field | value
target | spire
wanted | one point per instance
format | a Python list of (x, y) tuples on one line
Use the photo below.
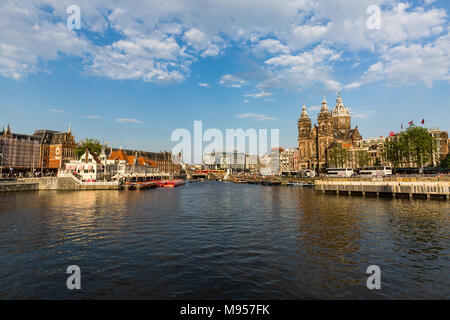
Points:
[(70, 128), (339, 99), (304, 114), (324, 105)]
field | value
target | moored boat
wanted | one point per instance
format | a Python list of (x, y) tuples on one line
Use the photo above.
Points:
[(170, 183)]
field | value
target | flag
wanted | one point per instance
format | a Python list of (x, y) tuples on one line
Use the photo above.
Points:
[(423, 121), (402, 125), (411, 123)]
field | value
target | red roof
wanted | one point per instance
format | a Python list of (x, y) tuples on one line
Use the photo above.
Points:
[(118, 155)]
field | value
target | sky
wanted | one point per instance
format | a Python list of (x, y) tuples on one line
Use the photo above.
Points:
[(137, 70)]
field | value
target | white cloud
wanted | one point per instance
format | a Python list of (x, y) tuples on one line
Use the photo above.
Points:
[(28, 40), (196, 38), (229, 80), (261, 94), (56, 110), (362, 114), (127, 120), (256, 117), (204, 84), (408, 64), (304, 35), (157, 41), (271, 46), (305, 69), (314, 108)]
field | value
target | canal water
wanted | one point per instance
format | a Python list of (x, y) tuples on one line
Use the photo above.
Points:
[(216, 240)]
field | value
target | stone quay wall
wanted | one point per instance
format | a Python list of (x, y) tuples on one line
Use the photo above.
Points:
[(427, 187), (18, 186), (68, 184)]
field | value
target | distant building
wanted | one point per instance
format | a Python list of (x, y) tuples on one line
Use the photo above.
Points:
[(18, 151), (334, 126), (375, 149), (164, 160), (252, 164), (88, 168), (232, 160), (92, 167), (442, 143), (211, 160), (56, 148), (62, 149), (287, 163)]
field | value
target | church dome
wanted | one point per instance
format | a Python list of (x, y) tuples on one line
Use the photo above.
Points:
[(340, 109)]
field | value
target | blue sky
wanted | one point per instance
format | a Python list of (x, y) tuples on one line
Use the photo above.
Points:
[(137, 70)]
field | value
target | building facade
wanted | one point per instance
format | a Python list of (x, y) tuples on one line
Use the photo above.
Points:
[(18, 151), (164, 160), (442, 146), (332, 127), (287, 160)]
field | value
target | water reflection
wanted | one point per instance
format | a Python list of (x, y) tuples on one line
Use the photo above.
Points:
[(216, 240)]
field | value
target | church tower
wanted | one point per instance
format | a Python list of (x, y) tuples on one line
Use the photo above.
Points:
[(304, 138), (325, 132), (341, 117)]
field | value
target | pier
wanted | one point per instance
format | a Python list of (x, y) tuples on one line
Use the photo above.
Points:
[(414, 187)]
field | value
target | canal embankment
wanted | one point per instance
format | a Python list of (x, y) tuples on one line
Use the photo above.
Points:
[(68, 184), (13, 185), (403, 187)]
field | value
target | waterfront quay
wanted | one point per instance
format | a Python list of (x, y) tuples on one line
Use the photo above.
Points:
[(412, 187)]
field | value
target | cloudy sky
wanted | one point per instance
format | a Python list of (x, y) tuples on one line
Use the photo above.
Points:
[(137, 70)]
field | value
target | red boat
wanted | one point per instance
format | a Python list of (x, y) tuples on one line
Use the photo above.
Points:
[(170, 183)]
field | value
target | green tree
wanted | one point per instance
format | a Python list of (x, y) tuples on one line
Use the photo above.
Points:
[(415, 145), (421, 145), (377, 162), (92, 144), (362, 158), (393, 152), (445, 163), (338, 156)]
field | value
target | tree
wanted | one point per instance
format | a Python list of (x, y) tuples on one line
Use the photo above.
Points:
[(415, 145), (338, 156), (421, 145), (445, 163), (92, 144), (393, 152), (377, 162), (362, 158)]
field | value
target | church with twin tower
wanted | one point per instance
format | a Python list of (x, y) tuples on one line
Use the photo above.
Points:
[(332, 128)]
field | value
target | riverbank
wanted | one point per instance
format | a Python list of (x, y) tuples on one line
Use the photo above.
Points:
[(14, 186), (411, 187)]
